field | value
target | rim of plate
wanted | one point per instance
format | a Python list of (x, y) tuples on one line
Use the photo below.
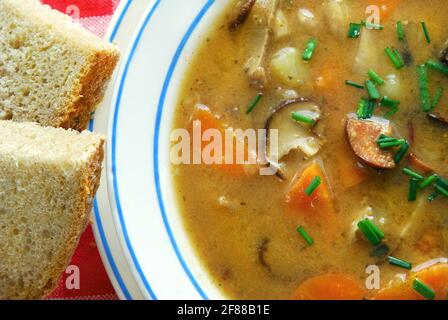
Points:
[(111, 165), (107, 242)]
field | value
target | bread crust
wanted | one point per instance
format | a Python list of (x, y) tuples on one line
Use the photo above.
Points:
[(86, 96), (89, 66), (88, 188)]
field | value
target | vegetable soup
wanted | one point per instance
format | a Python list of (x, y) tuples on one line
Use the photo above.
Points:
[(356, 94)]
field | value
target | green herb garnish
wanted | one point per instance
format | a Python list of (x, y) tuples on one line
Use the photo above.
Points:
[(413, 186), (309, 49), (425, 31), (372, 90), (400, 31), (395, 57), (388, 102), (393, 143), (438, 66), (301, 230), (399, 263), (437, 96), (354, 30), (375, 77), (442, 190), (427, 181), (370, 25), (299, 117), (423, 289), (401, 153), (391, 104), (254, 103), (425, 100), (313, 186), (413, 174), (354, 84), (433, 196), (371, 231)]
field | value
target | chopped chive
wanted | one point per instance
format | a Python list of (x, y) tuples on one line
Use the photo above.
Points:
[(438, 66), (437, 97), (413, 186), (354, 30), (389, 144), (399, 57), (370, 108), (391, 112), (297, 116), (254, 103), (433, 196), (301, 230), (412, 174), (388, 102), (399, 263), (442, 182), (384, 138), (442, 190), (423, 289), (313, 186), (370, 25), (369, 232), (422, 73), (400, 31), (375, 228), (427, 181), (394, 57), (372, 90), (354, 84), (375, 77), (425, 31), (362, 109), (309, 49), (401, 153), (391, 104)]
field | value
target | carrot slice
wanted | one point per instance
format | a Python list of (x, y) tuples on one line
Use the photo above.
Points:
[(318, 204), (387, 7), (330, 287), (348, 170), (436, 277), (208, 120)]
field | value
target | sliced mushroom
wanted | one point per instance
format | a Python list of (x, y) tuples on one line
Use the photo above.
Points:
[(420, 164), (438, 117), (444, 53), (292, 134), (243, 9), (260, 24), (363, 135)]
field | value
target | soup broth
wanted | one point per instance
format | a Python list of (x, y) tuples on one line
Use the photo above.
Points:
[(243, 225)]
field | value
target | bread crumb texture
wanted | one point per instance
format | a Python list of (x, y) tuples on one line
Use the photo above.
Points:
[(52, 71), (48, 179)]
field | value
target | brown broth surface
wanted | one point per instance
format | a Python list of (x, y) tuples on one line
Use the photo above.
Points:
[(231, 219)]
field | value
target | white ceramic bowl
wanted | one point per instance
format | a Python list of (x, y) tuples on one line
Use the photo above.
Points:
[(137, 224)]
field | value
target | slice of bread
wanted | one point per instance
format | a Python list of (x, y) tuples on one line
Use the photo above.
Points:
[(52, 71), (48, 179)]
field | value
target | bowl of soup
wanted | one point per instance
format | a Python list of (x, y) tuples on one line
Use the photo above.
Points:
[(267, 149)]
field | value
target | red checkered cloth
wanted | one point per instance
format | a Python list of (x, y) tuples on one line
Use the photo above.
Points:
[(86, 278)]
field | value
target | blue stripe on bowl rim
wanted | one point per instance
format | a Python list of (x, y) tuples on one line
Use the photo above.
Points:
[(167, 82), (98, 220), (113, 168)]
